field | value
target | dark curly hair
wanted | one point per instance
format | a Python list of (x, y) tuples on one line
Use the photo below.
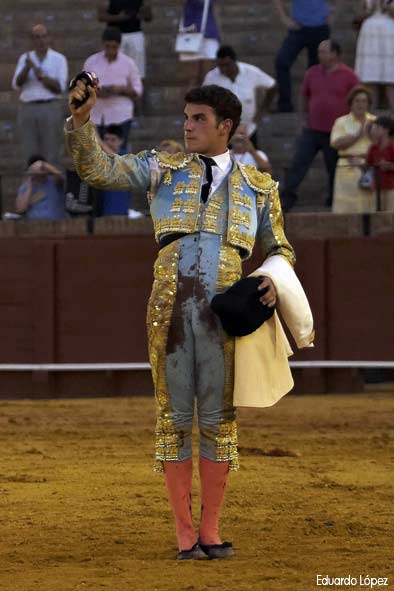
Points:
[(224, 102), (387, 123), (111, 34), (355, 91)]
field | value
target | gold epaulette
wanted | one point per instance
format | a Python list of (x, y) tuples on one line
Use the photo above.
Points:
[(262, 182), (172, 161)]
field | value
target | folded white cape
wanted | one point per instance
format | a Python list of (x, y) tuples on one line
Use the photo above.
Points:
[(262, 374)]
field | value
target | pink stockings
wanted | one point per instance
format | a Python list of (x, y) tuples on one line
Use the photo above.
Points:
[(178, 478), (213, 476)]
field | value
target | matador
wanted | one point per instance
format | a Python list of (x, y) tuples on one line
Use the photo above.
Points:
[(208, 211)]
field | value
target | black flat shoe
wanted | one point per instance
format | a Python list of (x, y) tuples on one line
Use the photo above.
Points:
[(213, 551), (194, 553)]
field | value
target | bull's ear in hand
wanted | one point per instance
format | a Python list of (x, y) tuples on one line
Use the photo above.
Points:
[(90, 79)]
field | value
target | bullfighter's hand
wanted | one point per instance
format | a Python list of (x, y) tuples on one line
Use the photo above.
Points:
[(81, 114), (269, 297)]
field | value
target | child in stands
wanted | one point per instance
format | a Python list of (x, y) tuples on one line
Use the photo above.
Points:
[(381, 155)]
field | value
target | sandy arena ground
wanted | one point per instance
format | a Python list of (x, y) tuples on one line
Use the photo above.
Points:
[(81, 509)]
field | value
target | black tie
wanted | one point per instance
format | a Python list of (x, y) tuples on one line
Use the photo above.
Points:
[(209, 162)]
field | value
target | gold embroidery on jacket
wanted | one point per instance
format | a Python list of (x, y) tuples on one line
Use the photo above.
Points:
[(241, 200), (277, 234), (215, 203), (173, 161), (229, 268), (193, 188), (167, 177), (195, 171), (241, 239), (227, 445), (261, 200), (177, 204), (229, 271), (179, 188), (261, 182), (190, 205), (240, 219), (158, 319), (236, 179), (174, 223), (211, 223)]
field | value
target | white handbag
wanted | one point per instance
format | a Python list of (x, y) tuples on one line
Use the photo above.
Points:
[(188, 40)]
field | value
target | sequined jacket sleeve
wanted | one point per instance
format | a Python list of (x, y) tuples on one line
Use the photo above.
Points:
[(104, 171), (270, 233)]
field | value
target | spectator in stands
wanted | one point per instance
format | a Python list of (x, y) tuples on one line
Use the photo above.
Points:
[(306, 28), (381, 155), (170, 146), (41, 77), (375, 49), (41, 195), (126, 15), (351, 137), (115, 202), (243, 150), (254, 88), (324, 92), (192, 19), (120, 85)]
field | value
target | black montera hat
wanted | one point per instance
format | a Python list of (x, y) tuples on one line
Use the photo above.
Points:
[(239, 307)]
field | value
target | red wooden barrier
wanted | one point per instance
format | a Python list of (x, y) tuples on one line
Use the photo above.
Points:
[(84, 300)]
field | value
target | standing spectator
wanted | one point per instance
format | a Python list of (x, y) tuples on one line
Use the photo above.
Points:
[(242, 150), (324, 91), (41, 196), (120, 84), (41, 78), (126, 15), (307, 27), (192, 19), (111, 202), (375, 49), (253, 87), (381, 154), (351, 137)]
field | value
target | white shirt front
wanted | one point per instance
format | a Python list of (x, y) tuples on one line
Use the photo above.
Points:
[(54, 65), (223, 166), (244, 87)]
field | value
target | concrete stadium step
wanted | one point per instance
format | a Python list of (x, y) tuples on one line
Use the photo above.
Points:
[(12, 46), (9, 189), (55, 18), (8, 151), (251, 41), (26, 6), (153, 125)]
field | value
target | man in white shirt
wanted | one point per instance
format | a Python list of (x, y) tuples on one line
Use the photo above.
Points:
[(41, 79), (253, 87)]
